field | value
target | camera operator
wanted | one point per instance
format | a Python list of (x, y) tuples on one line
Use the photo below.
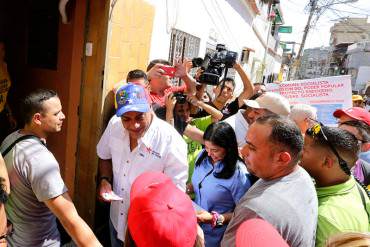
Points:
[(178, 115), (224, 92), (201, 93), (178, 107), (160, 84)]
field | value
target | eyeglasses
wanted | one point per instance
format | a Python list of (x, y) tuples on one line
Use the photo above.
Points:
[(9, 230), (316, 131)]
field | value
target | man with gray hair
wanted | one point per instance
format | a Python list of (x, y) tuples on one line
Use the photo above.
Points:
[(303, 115)]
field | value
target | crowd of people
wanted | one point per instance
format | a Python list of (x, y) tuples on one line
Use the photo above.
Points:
[(182, 167)]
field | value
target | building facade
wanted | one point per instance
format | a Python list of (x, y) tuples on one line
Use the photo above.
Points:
[(313, 63), (188, 29), (343, 34), (357, 64)]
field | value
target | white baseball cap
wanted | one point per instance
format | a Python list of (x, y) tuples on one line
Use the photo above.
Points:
[(271, 101)]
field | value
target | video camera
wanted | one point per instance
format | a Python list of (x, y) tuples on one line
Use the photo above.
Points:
[(214, 64)]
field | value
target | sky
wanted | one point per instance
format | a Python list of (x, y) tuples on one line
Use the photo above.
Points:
[(295, 14)]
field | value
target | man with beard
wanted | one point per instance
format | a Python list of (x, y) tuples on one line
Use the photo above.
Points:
[(284, 195)]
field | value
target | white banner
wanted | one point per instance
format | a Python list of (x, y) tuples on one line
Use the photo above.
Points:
[(326, 94)]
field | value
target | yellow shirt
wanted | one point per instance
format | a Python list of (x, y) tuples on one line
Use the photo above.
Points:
[(5, 84)]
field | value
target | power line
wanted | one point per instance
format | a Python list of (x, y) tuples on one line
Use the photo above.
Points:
[(298, 7), (350, 12), (213, 21), (348, 22), (355, 7), (337, 3), (226, 24), (317, 8)]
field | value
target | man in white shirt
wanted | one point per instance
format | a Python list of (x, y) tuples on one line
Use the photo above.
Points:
[(135, 141), (267, 103)]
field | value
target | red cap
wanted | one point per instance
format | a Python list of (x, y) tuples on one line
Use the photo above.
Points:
[(357, 113), (145, 180), (258, 233), (160, 214)]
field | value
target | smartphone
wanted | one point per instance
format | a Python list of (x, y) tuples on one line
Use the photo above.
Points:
[(169, 70)]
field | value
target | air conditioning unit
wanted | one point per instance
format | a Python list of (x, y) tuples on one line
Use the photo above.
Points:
[(244, 58)]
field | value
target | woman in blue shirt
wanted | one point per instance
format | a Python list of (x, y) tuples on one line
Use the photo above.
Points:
[(219, 180)]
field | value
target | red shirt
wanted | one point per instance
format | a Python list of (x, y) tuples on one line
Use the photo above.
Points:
[(160, 100)]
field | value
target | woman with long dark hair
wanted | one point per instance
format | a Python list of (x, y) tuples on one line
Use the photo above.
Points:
[(219, 180)]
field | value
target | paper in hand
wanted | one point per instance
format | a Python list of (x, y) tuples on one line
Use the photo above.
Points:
[(111, 196)]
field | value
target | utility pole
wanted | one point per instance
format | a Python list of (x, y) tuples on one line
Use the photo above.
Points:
[(313, 4), (296, 62), (313, 9)]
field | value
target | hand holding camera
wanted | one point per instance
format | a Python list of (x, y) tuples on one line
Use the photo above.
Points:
[(158, 70), (170, 102), (155, 72), (180, 97), (193, 100), (168, 70)]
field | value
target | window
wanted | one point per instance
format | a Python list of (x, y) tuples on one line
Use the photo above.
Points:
[(310, 64), (183, 45)]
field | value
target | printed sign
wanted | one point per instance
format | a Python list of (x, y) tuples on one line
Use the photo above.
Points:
[(326, 94)]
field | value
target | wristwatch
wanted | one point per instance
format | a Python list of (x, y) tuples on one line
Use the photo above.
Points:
[(220, 220), (217, 219)]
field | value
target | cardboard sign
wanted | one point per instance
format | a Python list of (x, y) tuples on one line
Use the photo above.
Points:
[(326, 94)]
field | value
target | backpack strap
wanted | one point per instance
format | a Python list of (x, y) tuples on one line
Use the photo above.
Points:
[(25, 137)]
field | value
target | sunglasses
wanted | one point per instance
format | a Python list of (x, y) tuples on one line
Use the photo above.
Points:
[(9, 230), (316, 131), (355, 125)]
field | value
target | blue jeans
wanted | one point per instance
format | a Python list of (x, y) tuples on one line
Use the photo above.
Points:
[(114, 241)]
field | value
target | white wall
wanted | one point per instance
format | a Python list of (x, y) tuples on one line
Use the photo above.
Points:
[(229, 21)]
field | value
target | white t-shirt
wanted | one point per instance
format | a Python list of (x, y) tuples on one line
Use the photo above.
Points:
[(240, 126), (160, 149)]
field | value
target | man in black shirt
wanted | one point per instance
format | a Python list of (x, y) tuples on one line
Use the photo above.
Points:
[(225, 92)]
